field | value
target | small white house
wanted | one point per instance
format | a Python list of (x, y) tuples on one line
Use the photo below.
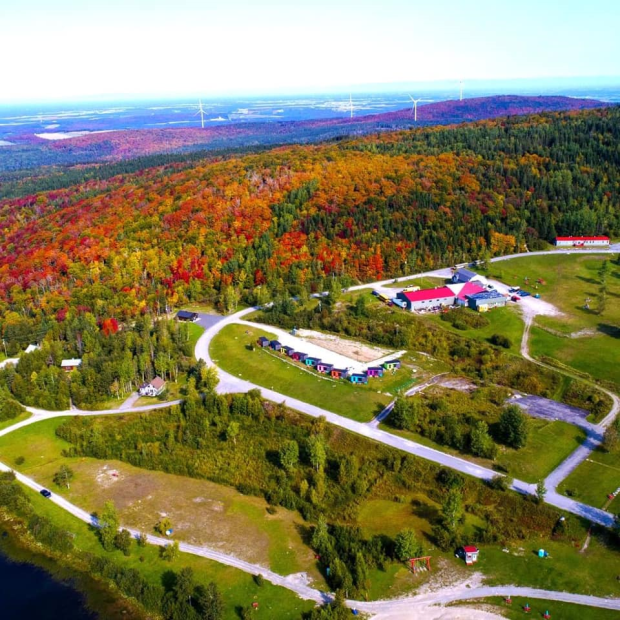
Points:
[(153, 388), (69, 365), (32, 347)]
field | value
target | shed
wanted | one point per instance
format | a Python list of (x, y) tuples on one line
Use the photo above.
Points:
[(186, 315), (339, 373), (299, 356), (375, 371), (312, 361), (263, 342), (324, 367), (358, 378), (391, 364), (469, 554), (288, 351), (276, 345)]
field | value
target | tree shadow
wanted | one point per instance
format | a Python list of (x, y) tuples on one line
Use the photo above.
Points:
[(588, 280), (424, 511), (609, 330)]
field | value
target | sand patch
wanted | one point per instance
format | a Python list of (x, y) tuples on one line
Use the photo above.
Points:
[(355, 350)]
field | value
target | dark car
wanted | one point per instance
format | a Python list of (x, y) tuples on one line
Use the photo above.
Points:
[(45, 493), (515, 298)]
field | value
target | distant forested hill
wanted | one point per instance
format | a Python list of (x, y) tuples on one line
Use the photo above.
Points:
[(31, 152), (281, 221)]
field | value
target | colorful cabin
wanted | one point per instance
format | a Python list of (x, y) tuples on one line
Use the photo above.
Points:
[(288, 351), (375, 371), (263, 342), (324, 368), (339, 373), (312, 361), (299, 356), (276, 345), (358, 378), (391, 365)]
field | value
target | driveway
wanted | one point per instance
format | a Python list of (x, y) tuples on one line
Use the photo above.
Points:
[(208, 320)]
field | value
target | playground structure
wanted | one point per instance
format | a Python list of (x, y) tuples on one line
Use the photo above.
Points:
[(421, 564)]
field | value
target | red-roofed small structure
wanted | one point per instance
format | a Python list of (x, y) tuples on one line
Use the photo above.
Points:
[(580, 242), (468, 553)]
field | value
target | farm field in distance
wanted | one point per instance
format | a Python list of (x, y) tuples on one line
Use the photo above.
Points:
[(582, 338)]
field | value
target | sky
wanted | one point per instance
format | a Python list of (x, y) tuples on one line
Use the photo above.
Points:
[(78, 49)]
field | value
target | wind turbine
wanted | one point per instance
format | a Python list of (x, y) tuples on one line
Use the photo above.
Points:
[(351, 104), (201, 112), (414, 109), (461, 89)]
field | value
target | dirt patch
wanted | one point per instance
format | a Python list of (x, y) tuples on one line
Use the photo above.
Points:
[(107, 476), (355, 350), (457, 383)]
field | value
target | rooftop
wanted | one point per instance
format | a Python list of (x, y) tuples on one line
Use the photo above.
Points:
[(427, 294)]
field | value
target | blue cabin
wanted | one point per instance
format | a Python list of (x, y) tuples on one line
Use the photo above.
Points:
[(375, 371), (276, 345), (312, 361), (358, 378), (263, 342)]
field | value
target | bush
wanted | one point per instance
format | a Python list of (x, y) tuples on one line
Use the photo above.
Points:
[(259, 580), (500, 341)]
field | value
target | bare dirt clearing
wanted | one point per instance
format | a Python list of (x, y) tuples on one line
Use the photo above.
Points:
[(355, 350)]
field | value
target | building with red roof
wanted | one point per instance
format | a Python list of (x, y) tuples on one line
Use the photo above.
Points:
[(581, 242), (428, 298)]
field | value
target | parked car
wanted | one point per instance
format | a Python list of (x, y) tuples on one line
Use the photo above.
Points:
[(515, 298), (45, 493)]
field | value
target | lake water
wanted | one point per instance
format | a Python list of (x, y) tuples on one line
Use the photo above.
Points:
[(28, 592)]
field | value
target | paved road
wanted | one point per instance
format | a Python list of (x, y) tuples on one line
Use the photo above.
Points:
[(297, 585), (208, 320), (593, 440), (229, 383)]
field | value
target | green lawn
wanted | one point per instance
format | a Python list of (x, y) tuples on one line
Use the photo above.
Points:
[(549, 443), (427, 282), (202, 512), (569, 281), (594, 479), (596, 355), (238, 588), (505, 321), (229, 351), (557, 611), (566, 569)]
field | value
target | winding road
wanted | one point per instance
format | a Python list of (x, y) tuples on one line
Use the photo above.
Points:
[(230, 383)]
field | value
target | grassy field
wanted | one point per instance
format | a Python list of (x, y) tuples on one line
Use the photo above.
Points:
[(238, 588), (549, 443), (557, 611), (195, 331), (202, 512), (505, 321), (594, 479), (569, 281), (362, 403), (566, 569), (428, 282)]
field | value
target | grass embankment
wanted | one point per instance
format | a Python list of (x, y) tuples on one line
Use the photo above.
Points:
[(238, 589), (20, 418), (557, 611), (594, 479), (569, 281), (229, 350), (426, 282), (201, 511), (503, 321), (549, 443)]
